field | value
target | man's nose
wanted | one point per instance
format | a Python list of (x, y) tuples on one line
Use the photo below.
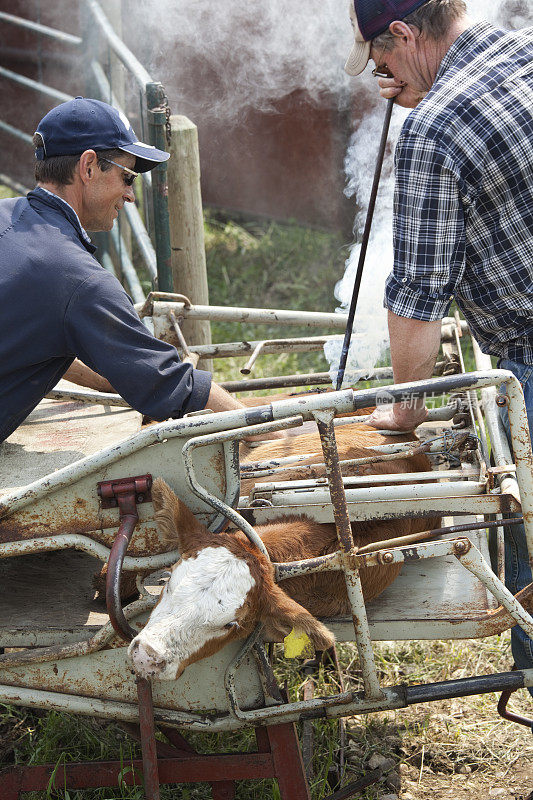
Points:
[(129, 194)]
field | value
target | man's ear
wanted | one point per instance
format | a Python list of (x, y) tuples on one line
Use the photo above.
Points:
[(87, 165), (280, 614), (401, 31)]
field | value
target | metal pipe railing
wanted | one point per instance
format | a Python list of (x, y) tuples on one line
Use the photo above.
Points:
[(107, 94), (17, 187), (142, 239), (35, 85), (117, 45), (128, 270), (42, 30), (7, 128)]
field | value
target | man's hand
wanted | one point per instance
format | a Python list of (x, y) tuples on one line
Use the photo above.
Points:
[(192, 358), (414, 347), (398, 417), (404, 94)]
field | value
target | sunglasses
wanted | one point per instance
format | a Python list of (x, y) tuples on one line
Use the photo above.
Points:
[(130, 175)]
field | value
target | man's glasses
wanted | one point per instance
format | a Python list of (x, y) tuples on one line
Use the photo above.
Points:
[(381, 70), (130, 175)]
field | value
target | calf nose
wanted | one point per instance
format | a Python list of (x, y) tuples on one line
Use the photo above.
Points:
[(147, 660)]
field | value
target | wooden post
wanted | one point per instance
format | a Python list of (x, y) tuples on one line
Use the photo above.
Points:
[(189, 272)]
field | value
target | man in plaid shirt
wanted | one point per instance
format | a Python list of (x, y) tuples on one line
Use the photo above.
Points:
[(463, 226)]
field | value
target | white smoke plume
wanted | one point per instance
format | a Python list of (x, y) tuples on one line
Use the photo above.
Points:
[(247, 53), (251, 53), (370, 334)]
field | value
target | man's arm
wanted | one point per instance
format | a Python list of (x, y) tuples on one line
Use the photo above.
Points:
[(414, 349), (221, 400), (82, 375)]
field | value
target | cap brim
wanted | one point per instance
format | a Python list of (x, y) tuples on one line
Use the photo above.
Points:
[(147, 156), (358, 58)]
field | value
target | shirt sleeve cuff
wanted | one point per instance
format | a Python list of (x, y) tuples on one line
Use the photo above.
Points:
[(200, 391), (406, 301)]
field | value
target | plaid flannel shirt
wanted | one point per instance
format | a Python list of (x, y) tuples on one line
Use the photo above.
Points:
[(463, 224)]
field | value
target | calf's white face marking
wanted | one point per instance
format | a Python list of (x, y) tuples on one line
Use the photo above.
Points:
[(198, 604)]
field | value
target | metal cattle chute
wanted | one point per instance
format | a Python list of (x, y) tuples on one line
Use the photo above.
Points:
[(76, 494)]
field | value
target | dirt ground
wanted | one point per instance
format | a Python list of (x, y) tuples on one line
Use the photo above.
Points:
[(457, 749)]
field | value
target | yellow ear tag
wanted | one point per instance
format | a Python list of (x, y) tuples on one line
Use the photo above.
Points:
[(298, 645)]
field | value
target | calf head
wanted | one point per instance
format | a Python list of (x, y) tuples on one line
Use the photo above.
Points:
[(219, 590)]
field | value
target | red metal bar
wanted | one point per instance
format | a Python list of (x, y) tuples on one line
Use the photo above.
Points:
[(279, 757), (125, 494), (180, 744), (510, 716), (164, 750), (148, 742), (288, 762), (103, 774), (223, 791)]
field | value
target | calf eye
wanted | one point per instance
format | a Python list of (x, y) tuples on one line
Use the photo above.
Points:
[(231, 625)]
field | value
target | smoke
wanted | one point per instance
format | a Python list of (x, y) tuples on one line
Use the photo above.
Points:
[(370, 334), (219, 59), (247, 53)]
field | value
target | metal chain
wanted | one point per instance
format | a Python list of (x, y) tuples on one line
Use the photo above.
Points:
[(165, 106)]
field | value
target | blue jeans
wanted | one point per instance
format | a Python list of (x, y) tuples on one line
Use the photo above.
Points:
[(517, 569)]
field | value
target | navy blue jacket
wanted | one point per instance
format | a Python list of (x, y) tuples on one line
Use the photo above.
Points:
[(58, 303)]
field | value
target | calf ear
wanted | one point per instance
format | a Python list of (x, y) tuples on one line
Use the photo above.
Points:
[(176, 522), (281, 614)]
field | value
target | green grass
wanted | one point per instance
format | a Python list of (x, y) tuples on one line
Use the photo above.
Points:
[(5, 192), (435, 742), (269, 265)]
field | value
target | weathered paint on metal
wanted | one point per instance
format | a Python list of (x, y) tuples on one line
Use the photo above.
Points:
[(148, 742), (48, 544), (330, 706), (472, 559), (326, 429), (217, 438), (389, 509), (105, 637), (125, 493), (303, 497)]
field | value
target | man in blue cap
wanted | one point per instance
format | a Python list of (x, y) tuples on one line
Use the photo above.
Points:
[(58, 303), (463, 221)]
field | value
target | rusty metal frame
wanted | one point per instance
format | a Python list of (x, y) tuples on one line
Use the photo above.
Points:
[(346, 560), (125, 494), (232, 425), (348, 551), (223, 508)]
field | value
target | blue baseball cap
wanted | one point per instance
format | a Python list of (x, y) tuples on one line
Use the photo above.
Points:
[(84, 124), (370, 18)]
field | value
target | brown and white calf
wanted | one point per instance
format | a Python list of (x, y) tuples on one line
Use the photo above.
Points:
[(222, 587)]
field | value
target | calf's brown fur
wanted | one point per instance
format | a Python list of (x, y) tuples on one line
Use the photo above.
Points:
[(297, 538)]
